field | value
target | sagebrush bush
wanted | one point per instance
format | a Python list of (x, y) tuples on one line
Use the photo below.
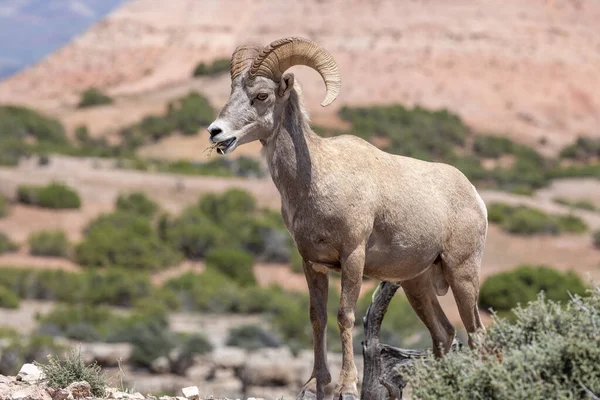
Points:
[(549, 351), (111, 287), (216, 67), (3, 206), (124, 240), (49, 243), (504, 291), (18, 349), (193, 233), (55, 195), (525, 220), (60, 373), (251, 337), (8, 298), (6, 245), (137, 203), (234, 263), (93, 97)]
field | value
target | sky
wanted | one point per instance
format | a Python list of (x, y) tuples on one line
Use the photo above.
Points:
[(30, 29)]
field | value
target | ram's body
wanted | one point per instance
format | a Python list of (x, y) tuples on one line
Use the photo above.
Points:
[(354, 208)]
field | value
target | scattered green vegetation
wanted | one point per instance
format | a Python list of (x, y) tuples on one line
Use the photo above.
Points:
[(549, 350), (24, 131), (439, 135), (524, 220), (233, 263), (8, 298), (218, 66), (110, 287), (18, 349), (230, 220), (48, 243), (3, 206), (93, 97), (60, 373), (504, 291), (251, 337), (584, 149), (124, 240), (580, 204), (186, 115), (596, 239), (136, 203), (6, 245), (55, 195)]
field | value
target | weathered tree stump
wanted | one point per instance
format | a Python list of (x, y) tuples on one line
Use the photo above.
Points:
[(381, 377)]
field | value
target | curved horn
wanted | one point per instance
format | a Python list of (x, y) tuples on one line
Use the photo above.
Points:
[(242, 58), (282, 54)]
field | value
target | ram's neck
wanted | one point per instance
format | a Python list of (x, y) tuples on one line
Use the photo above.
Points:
[(289, 153)]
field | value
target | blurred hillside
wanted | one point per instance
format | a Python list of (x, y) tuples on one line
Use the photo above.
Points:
[(524, 69)]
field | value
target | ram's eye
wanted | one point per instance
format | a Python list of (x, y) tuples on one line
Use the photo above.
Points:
[(262, 96)]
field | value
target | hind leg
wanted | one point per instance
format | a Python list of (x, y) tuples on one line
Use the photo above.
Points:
[(463, 278), (424, 301)]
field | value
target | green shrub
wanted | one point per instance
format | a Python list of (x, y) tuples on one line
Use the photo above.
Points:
[(3, 206), (492, 146), (82, 322), (233, 263), (124, 240), (529, 221), (209, 292), (584, 148), (548, 351), (216, 67), (8, 298), (251, 337), (580, 204), (503, 291), (48, 243), (191, 113), (111, 287), (19, 349), (93, 97), (6, 245), (189, 346), (233, 201), (193, 233), (54, 195), (137, 203), (596, 239), (60, 373), (151, 340)]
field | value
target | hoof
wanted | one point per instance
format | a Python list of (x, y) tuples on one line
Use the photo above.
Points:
[(306, 395)]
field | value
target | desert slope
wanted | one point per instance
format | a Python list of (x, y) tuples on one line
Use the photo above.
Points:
[(529, 69)]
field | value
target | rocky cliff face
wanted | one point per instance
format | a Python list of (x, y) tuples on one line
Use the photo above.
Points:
[(528, 69)]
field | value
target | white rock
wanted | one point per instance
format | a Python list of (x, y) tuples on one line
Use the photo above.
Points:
[(30, 373), (19, 394), (137, 395), (191, 392)]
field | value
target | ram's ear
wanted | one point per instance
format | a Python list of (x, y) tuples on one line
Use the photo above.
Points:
[(286, 84)]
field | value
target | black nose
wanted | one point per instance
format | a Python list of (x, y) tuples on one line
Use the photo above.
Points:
[(214, 130)]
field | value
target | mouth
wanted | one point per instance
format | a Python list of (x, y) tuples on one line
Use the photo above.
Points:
[(225, 145)]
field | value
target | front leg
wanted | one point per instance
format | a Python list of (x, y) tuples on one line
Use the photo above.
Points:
[(318, 286), (352, 273)]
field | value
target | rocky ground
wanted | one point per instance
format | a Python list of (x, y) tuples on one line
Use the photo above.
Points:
[(227, 372), (30, 384)]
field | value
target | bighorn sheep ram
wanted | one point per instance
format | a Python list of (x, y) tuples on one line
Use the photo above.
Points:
[(354, 208)]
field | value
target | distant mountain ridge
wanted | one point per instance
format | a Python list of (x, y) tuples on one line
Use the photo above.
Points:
[(30, 29), (525, 69)]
